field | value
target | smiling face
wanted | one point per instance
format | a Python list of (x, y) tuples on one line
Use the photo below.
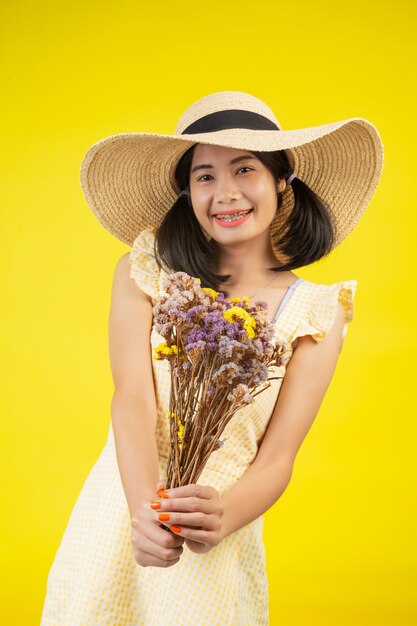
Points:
[(225, 180)]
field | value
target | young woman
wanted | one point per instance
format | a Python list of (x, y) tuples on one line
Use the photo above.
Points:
[(235, 200)]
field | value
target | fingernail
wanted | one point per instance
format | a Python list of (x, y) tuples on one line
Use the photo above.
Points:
[(163, 517), (176, 529), (160, 488), (163, 494), (155, 505)]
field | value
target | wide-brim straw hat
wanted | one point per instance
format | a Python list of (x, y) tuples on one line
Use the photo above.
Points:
[(128, 178)]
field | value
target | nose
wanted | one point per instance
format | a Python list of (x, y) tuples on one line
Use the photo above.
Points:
[(227, 190)]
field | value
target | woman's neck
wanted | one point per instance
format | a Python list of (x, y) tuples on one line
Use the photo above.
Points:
[(248, 266), (247, 259)]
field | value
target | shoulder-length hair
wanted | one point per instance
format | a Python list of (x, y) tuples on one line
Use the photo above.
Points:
[(306, 236)]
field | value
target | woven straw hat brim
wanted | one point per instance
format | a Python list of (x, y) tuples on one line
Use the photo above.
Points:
[(128, 178)]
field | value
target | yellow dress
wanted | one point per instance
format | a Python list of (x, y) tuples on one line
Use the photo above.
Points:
[(94, 578)]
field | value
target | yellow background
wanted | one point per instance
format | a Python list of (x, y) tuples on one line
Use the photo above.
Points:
[(341, 542)]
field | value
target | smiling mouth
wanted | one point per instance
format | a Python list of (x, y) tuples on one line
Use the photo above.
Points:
[(229, 216)]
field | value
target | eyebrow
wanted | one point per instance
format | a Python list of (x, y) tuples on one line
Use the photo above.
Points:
[(235, 160)]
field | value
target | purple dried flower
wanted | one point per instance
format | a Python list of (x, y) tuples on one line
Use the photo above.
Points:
[(194, 312), (200, 345)]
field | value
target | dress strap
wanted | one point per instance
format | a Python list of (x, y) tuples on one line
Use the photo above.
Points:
[(286, 298)]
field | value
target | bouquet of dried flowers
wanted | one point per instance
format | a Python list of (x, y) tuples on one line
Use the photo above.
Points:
[(219, 355)]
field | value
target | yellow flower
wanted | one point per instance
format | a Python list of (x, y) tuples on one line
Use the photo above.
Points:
[(245, 299), (249, 323), (181, 429), (212, 292), (234, 311), (162, 351), (250, 329)]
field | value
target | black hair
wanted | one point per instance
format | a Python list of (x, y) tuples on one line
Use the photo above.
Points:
[(306, 236)]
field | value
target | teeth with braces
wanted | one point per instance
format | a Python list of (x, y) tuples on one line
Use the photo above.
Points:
[(232, 218)]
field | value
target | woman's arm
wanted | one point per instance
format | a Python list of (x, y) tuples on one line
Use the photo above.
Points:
[(306, 380), (133, 407)]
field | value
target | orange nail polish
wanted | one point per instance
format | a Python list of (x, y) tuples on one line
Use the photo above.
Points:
[(176, 529), (163, 494), (163, 517), (160, 488), (155, 505)]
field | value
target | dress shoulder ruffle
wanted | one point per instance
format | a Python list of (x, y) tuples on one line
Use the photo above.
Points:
[(321, 313), (143, 266)]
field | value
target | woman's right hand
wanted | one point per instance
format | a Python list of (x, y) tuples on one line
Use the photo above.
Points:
[(152, 543)]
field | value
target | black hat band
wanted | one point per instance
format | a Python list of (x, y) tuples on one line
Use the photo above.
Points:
[(231, 118)]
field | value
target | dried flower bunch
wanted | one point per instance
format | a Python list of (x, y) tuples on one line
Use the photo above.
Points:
[(219, 355)]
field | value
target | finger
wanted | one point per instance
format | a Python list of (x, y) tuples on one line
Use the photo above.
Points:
[(195, 534), (157, 542), (192, 520), (159, 552), (175, 541), (161, 535), (161, 485), (147, 558), (204, 492), (154, 532), (191, 504)]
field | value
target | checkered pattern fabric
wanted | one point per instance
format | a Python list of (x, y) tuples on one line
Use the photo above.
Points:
[(94, 579)]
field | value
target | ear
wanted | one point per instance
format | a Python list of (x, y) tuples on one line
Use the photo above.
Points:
[(281, 184)]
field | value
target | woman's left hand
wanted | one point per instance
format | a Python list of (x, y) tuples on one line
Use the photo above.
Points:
[(197, 510)]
